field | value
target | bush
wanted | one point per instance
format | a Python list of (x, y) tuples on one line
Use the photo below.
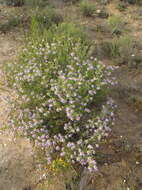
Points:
[(104, 2), (87, 8), (15, 2), (36, 3), (121, 6), (116, 24), (71, 1), (134, 1), (121, 49), (46, 17), (62, 105), (39, 3), (13, 21)]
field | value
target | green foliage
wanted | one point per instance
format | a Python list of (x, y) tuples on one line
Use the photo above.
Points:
[(122, 49), (62, 96), (134, 2), (121, 6), (40, 3), (116, 24), (36, 3), (88, 9), (136, 102), (104, 2), (13, 21), (123, 45), (71, 1), (70, 30), (15, 2), (47, 17)]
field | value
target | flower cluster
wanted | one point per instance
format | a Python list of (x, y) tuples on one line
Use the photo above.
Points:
[(62, 99)]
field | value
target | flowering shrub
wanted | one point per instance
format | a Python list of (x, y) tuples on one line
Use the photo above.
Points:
[(62, 98)]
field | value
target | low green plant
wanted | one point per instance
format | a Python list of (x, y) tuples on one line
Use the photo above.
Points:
[(121, 6), (123, 45), (136, 102), (71, 1), (104, 2), (116, 24), (15, 2), (12, 22), (47, 17), (134, 2), (62, 105), (88, 9), (122, 49), (15, 21), (70, 29), (36, 3)]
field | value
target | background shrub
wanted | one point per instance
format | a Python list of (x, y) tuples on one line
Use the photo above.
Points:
[(36, 3), (134, 1), (121, 49), (39, 3), (71, 1), (46, 17), (87, 8), (121, 6), (15, 2), (10, 23), (116, 24)]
